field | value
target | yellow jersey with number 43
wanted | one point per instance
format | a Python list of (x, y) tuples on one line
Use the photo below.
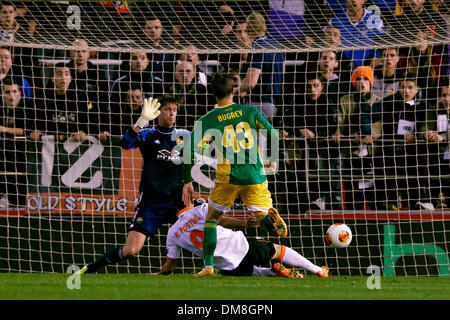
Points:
[(233, 131)]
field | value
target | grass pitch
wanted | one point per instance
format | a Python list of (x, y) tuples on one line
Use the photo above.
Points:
[(189, 287)]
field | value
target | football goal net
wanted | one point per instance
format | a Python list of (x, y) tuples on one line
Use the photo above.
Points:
[(358, 94)]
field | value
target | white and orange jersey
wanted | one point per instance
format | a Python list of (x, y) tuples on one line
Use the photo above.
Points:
[(187, 233)]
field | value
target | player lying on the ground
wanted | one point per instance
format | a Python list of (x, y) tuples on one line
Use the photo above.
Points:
[(235, 255)]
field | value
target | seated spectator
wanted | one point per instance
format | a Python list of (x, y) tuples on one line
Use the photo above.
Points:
[(139, 72), (261, 86), (62, 110), (313, 117), (13, 115), (359, 28), (192, 97), (387, 75), (8, 70), (437, 134), (403, 114), (357, 130)]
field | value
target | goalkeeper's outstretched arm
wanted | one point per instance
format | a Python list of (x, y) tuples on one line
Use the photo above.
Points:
[(150, 111)]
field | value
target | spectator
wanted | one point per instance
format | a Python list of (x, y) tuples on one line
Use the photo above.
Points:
[(425, 63), (8, 23), (336, 87), (85, 75), (164, 10), (418, 16), (313, 117), (66, 111), (357, 123), (12, 151), (130, 110), (437, 134), (8, 70), (263, 80), (325, 66), (10, 29), (108, 17), (384, 5), (200, 21), (161, 64), (403, 114), (317, 14), (358, 28), (193, 99), (446, 14), (190, 55), (139, 72), (234, 62), (332, 37), (387, 76)]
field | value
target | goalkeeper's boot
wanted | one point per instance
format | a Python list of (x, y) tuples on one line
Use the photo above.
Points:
[(278, 223), (282, 271), (323, 273), (207, 271)]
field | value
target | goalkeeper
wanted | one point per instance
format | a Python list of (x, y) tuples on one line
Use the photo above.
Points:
[(232, 129), (161, 180)]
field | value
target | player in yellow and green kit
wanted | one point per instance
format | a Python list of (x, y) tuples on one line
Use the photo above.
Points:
[(232, 130)]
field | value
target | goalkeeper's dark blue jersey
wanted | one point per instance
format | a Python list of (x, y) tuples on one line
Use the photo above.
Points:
[(161, 150)]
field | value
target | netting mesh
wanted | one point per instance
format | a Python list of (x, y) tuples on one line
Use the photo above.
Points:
[(357, 89), (297, 25)]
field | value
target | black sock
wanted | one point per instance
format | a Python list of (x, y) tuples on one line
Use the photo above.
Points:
[(267, 224), (112, 256)]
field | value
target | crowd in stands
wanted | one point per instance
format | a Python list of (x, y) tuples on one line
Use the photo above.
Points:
[(371, 122)]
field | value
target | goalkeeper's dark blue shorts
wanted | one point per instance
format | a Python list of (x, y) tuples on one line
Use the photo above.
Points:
[(148, 218)]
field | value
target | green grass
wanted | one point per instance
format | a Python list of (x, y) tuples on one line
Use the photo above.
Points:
[(189, 287)]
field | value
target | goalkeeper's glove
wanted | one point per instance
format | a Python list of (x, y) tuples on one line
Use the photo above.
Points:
[(150, 111)]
